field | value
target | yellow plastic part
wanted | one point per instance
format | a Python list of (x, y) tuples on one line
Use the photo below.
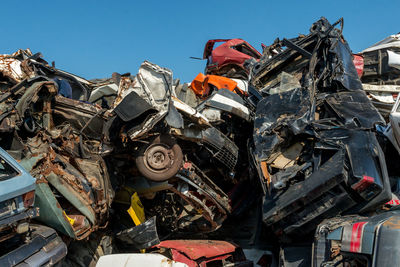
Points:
[(136, 210), (70, 220)]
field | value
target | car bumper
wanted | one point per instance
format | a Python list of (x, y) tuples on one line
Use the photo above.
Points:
[(44, 247)]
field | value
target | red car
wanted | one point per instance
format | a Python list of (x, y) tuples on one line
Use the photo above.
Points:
[(228, 58), (203, 253)]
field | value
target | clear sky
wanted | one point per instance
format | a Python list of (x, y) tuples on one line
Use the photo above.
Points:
[(95, 38)]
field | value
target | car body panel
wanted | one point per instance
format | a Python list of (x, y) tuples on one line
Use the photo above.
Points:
[(18, 185), (196, 249), (374, 239), (15, 182), (203, 252), (53, 216)]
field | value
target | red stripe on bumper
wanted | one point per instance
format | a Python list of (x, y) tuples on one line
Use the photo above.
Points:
[(356, 236)]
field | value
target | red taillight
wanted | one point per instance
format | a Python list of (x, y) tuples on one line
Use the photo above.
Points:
[(393, 202), (359, 64), (28, 199), (363, 184)]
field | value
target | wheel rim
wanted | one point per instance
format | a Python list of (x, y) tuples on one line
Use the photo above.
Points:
[(158, 158)]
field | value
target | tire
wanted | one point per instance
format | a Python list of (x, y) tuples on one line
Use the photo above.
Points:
[(160, 160)]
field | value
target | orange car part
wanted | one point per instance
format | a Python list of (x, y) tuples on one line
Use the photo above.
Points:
[(201, 84)]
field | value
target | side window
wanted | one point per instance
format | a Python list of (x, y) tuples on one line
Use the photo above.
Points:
[(245, 49), (6, 170)]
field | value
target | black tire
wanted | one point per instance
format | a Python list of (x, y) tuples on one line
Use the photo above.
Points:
[(160, 160)]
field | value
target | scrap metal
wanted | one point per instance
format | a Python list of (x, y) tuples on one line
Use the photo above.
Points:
[(287, 152)]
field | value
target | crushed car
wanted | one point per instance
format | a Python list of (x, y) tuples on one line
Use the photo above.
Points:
[(194, 149), (314, 133), (228, 58), (40, 129), (379, 71), (191, 253), (22, 242)]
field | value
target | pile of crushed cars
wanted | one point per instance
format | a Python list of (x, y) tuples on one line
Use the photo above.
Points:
[(280, 158)]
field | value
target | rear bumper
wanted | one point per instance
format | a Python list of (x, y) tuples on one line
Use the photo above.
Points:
[(30, 213), (44, 247)]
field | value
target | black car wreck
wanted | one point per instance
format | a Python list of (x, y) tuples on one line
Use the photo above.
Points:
[(314, 137)]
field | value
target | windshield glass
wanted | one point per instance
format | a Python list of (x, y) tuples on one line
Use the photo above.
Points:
[(6, 170)]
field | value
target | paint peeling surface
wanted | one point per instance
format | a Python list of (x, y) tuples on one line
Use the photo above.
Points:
[(14, 66)]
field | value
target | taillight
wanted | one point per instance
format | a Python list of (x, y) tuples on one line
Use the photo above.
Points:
[(393, 202), (28, 199), (363, 184)]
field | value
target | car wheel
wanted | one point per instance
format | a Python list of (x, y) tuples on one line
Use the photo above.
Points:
[(161, 159)]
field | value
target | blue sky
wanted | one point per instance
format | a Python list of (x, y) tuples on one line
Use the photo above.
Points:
[(95, 38)]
